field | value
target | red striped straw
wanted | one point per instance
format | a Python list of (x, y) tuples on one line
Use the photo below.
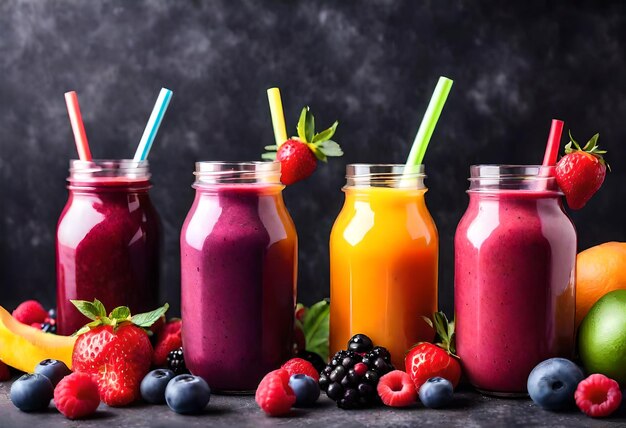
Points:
[(554, 141), (76, 120)]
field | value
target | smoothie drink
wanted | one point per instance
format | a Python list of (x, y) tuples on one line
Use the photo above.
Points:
[(515, 254), (238, 275), (107, 242), (383, 260)]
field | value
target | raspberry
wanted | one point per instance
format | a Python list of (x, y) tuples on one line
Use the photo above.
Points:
[(5, 374), (396, 389), (30, 312), (300, 366), (598, 396), (274, 395), (76, 396)]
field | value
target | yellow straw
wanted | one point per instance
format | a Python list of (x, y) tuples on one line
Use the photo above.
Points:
[(278, 117)]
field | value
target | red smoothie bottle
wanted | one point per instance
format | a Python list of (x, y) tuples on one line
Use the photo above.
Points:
[(515, 260), (108, 240), (238, 250)]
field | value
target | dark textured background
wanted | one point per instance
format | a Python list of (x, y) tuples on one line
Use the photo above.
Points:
[(372, 65)]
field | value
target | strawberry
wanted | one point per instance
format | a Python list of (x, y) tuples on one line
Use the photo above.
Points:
[(426, 360), (298, 156), (581, 172), (115, 349), (168, 339)]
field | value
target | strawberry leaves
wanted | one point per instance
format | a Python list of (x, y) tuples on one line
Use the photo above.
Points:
[(591, 148), (96, 312), (445, 332), (319, 143)]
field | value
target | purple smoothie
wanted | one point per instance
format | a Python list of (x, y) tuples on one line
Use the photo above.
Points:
[(515, 254), (107, 247), (238, 273)]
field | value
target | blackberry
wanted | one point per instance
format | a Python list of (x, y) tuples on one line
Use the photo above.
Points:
[(176, 361), (351, 377), (360, 343)]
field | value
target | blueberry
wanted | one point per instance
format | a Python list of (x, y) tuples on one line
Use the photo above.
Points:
[(360, 343), (187, 394), (153, 385), (54, 370), (436, 392), (32, 392), (306, 389), (552, 383)]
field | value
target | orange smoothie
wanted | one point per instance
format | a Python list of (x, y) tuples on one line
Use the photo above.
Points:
[(383, 268)]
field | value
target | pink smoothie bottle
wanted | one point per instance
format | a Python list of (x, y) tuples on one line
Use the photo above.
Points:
[(108, 240), (515, 260), (238, 250)]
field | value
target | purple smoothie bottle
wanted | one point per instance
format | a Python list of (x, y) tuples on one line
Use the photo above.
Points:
[(515, 267), (107, 241), (238, 275)]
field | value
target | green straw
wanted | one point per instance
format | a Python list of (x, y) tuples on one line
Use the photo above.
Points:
[(425, 131)]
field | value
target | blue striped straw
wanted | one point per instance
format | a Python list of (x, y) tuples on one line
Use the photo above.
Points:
[(152, 127)]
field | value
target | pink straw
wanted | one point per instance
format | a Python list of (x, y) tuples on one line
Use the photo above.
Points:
[(76, 120), (554, 141)]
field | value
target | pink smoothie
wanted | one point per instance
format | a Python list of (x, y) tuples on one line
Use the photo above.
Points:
[(108, 239), (238, 272), (515, 254)]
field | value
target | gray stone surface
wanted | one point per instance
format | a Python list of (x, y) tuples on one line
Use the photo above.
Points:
[(469, 410)]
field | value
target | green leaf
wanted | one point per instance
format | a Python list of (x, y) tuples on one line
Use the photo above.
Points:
[(316, 327), (319, 154), (302, 124), (309, 126), (121, 313), (269, 156), (89, 309), (273, 147), (592, 143), (326, 134), (147, 319), (330, 148), (101, 309)]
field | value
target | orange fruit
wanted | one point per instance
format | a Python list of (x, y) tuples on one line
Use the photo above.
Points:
[(599, 270)]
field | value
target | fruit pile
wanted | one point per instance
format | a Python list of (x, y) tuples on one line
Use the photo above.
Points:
[(352, 375)]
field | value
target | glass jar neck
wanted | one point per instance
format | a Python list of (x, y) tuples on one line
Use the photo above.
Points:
[(109, 175), (389, 176), (238, 176), (512, 180)]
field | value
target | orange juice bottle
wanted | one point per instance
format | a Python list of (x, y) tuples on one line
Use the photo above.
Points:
[(383, 260)]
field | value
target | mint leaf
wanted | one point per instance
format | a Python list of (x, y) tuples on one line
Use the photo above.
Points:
[(330, 148), (147, 319), (316, 327), (121, 313), (88, 309), (327, 134)]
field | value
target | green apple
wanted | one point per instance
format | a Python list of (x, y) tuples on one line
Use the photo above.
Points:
[(602, 337)]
